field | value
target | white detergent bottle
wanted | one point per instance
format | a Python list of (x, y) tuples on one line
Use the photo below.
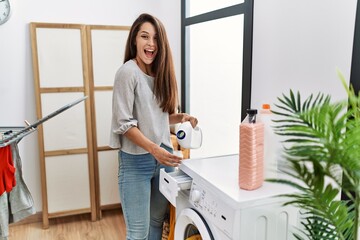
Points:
[(271, 143), (189, 137)]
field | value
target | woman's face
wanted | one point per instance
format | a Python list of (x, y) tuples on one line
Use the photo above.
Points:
[(146, 43)]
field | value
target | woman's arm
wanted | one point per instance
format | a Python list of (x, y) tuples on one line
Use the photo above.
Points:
[(182, 117), (160, 154)]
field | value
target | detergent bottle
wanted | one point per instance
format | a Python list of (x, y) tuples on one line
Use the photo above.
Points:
[(251, 152), (189, 137), (271, 142)]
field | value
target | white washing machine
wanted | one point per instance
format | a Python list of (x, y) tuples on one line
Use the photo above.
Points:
[(210, 205)]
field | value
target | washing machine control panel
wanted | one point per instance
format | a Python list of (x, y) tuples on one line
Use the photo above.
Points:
[(212, 208)]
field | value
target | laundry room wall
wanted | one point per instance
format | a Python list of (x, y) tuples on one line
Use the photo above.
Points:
[(17, 94), (298, 45)]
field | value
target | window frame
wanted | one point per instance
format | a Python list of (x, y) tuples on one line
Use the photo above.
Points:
[(245, 8), (355, 63)]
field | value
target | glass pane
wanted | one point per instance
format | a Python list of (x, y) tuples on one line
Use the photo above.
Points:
[(215, 76), (196, 7)]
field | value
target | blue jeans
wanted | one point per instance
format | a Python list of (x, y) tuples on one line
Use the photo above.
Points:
[(143, 205)]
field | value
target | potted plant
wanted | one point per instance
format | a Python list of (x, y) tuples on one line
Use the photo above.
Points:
[(321, 137)]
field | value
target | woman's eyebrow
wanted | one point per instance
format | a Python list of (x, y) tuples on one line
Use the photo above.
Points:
[(146, 32)]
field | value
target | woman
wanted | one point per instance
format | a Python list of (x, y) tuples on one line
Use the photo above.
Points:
[(145, 100)]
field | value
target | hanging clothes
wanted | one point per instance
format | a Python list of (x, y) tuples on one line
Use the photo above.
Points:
[(7, 170), (17, 203)]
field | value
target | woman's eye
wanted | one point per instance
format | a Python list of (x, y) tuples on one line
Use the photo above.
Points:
[(145, 37)]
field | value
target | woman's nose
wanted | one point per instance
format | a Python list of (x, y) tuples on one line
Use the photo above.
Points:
[(151, 42)]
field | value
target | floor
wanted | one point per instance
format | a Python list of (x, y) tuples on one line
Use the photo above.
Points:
[(79, 227)]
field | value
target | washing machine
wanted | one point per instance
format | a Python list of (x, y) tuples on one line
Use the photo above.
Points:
[(210, 206)]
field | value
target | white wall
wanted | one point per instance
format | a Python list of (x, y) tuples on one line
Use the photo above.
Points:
[(298, 44), (17, 96)]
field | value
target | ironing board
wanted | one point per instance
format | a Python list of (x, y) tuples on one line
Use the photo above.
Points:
[(9, 135)]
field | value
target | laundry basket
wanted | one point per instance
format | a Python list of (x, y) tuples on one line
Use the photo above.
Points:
[(169, 225)]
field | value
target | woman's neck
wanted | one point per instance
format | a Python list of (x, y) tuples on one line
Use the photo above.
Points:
[(144, 67)]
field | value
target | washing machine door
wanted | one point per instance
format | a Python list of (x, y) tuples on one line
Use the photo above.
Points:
[(190, 225)]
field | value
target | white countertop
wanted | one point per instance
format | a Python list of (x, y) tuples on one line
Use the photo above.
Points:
[(220, 175)]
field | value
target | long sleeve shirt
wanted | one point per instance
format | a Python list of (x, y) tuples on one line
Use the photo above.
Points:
[(135, 105)]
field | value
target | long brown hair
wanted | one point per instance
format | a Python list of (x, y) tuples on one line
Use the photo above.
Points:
[(165, 86)]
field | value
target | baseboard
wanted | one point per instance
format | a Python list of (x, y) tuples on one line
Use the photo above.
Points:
[(37, 217), (110, 206)]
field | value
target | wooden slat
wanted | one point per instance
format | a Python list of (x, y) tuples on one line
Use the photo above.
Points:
[(65, 152), (95, 175), (69, 213), (35, 65), (104, 148), (62, 89), (89, 123), (103, 88)]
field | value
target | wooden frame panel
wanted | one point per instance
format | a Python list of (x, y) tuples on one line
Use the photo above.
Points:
[(106, 47), (61, 67), (75, 60)]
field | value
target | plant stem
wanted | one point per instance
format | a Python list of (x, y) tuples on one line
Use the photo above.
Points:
[(357, 206)]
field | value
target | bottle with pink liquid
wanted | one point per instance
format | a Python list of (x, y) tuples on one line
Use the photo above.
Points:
[(251, 152)]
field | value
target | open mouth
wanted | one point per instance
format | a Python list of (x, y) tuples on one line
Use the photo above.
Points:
[(149, 53)]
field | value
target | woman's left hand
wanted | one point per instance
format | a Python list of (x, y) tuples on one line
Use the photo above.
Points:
[(186, 117)]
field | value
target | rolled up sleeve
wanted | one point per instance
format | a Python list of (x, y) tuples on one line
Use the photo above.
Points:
[(122, 106)]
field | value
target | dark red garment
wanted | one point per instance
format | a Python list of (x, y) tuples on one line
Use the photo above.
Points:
[(7, 170)]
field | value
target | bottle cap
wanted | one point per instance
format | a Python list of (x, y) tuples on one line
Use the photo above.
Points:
[(266, 106), (251, 111), (251, 115)]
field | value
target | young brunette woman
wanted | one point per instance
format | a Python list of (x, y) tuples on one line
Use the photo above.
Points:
[(145, 99)]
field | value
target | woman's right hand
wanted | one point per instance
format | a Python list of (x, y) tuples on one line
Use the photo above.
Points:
[(164, 157), (160, 154)]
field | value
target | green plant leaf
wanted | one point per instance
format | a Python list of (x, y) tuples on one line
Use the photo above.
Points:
[(321, 137)]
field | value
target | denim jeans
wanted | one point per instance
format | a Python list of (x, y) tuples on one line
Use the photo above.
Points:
[(143, 205)]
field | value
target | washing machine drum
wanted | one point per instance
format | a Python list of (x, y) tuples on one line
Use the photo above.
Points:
[(191, 226)]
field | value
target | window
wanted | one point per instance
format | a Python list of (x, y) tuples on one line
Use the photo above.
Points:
[(202, 6), (216, 67)]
